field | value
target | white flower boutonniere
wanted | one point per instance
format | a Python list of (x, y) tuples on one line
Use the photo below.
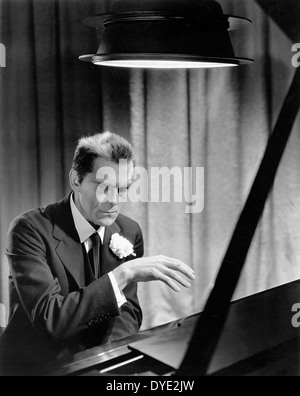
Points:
[(121, 247)]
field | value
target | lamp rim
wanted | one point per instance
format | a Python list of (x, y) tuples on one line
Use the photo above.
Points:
[(99, 21), (104, 58)]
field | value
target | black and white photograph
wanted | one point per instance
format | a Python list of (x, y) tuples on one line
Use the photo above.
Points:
[(150, 190)]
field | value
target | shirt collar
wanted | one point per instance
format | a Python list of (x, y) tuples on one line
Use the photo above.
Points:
[(83, 227)]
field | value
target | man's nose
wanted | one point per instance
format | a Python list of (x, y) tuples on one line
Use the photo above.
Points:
[(113, 196)]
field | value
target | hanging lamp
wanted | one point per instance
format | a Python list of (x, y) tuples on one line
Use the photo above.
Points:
[(166, 34)]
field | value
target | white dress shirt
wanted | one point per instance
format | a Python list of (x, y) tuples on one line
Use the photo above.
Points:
[(85, 231)]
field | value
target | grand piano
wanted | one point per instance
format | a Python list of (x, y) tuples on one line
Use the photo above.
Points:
[(261, 337)]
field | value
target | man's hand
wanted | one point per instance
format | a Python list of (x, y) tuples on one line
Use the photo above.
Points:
[(158, 268)]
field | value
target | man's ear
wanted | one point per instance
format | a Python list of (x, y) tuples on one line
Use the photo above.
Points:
[(74, 180)]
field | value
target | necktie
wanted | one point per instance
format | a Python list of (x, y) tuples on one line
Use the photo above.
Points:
[(94, 254)]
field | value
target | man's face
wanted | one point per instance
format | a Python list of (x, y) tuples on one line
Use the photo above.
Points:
[(98, 196)]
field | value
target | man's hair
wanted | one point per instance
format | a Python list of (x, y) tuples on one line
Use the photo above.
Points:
[(107, 145)]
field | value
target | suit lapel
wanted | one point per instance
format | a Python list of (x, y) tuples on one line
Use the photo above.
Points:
[(69, 248)]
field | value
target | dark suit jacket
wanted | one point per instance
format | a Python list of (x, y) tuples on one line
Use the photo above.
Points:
[(53, 312)]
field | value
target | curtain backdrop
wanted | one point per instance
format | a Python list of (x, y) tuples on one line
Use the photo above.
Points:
[(219, 120)]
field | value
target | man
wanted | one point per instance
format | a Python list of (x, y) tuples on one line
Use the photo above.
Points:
[(75, 264)]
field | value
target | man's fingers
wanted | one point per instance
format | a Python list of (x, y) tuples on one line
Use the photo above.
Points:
[(161, 268), (176, 276), (163, 273), (177, 265), (168, 281)]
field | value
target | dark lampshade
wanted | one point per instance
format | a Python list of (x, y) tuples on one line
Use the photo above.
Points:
[(166, 34)]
